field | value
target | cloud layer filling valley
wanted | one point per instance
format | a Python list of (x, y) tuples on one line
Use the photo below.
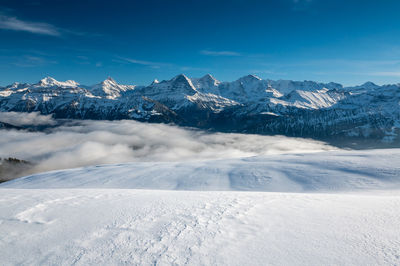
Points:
[(83, 143)]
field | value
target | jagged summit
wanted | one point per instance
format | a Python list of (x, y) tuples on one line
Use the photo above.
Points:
[(181, 78), (208, 81), (14, 85), (206, 84), (181, 81), (208, 78), (302, 108), (173, 90), (250, 78), (110, 88), (109, 81)]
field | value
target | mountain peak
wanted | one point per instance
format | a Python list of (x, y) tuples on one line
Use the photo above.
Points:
[(369, 85), (208, 80), (48, 81), (179, 83), (208, 77), (110, 88), (250, 78), (109, 80), (181, 78), (51, 82)]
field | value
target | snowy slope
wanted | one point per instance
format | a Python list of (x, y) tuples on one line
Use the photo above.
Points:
[(48, 82), (323, 171), (110, 89), (139, 227), (69, 217), (325, 208)]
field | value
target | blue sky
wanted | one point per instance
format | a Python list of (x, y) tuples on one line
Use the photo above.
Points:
[(137, 41)]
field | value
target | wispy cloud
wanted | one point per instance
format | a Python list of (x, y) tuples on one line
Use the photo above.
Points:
[(13, 23), (219, 53), (156, 65), (30, 61), (144, 63), (386, 74)]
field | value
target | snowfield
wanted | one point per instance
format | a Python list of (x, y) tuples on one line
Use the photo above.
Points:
[(303, 172), (347, 212), (143, 227)]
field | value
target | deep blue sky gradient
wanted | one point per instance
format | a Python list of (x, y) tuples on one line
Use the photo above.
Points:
[(349, 41)]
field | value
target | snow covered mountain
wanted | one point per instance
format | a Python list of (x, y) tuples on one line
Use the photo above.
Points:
[(110, 89), (249, 104)]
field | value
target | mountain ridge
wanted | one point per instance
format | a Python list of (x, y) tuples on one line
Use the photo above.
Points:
[(248, 104)]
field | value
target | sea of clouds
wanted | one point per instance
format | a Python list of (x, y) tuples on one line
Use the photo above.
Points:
[(23, 119), (82, 142)]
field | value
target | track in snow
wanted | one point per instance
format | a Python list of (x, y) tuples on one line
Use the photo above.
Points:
[(74, 220), (91, 226)]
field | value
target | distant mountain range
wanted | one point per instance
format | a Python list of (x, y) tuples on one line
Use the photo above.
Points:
[(248, 105)]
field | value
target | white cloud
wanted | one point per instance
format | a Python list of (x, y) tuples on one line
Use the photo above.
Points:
[(219, 53), (82, 143), (13, 23), (26, 119)]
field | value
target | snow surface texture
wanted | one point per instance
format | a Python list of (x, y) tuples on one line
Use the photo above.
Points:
[(140, 227), (98, 215), (325, 171)]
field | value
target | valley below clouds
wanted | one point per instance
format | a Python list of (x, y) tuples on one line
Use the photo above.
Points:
[(76, 143)]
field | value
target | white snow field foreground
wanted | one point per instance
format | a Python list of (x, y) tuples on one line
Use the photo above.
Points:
[(347, 212)]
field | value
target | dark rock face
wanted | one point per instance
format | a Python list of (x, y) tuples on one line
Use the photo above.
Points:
[(11, 168)]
